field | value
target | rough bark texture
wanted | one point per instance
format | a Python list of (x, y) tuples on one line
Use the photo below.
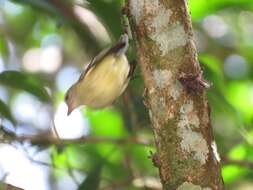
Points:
[(186, 152)]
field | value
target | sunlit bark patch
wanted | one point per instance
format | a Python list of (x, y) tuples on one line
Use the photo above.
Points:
[(158, 18), (190, 186), (191, 141), (188, 117), (162, 78)]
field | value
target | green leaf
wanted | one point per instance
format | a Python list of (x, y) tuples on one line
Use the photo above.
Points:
[(201, 8), (232, 173), (213, 63), (140, 159), (239, 152), (5, 112), (236, 172), (92, 180), (3, 46), (109, 123), (106, 122), (60, 159), (25, 82), (239, 94)]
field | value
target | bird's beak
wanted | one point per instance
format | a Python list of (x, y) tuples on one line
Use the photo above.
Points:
[(70, 109)]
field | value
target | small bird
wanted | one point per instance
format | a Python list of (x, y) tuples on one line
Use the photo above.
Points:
[(104, 79)]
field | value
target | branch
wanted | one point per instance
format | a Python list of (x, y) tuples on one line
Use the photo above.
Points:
[(6, 186), (241, 163), (47, 140)]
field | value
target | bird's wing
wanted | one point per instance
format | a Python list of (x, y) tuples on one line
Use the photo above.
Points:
[(93, 63), (98, 59)]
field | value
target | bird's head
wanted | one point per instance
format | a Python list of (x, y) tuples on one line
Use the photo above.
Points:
[(71, 99)]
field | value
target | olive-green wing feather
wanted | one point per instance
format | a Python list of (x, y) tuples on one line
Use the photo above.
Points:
[(98, 59), (93, 63)]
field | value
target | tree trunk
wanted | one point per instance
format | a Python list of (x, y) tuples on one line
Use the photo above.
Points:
[(186, 152)]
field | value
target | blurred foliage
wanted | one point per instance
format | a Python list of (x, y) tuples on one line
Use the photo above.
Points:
[(43, 44), (92, 180), (201, 8), (63, 14), (5, 112), (25, 82), (103, 10), (3, 46)]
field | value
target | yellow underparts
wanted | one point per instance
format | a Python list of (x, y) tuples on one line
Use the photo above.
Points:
[(104, 83)]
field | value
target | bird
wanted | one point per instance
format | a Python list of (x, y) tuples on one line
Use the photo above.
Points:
[(103, 80)]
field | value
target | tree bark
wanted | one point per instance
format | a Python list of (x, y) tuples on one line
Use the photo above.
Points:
[(186, 152)]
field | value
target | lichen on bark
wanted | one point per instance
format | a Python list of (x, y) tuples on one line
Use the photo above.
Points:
[(162, 31), (190, 186)]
